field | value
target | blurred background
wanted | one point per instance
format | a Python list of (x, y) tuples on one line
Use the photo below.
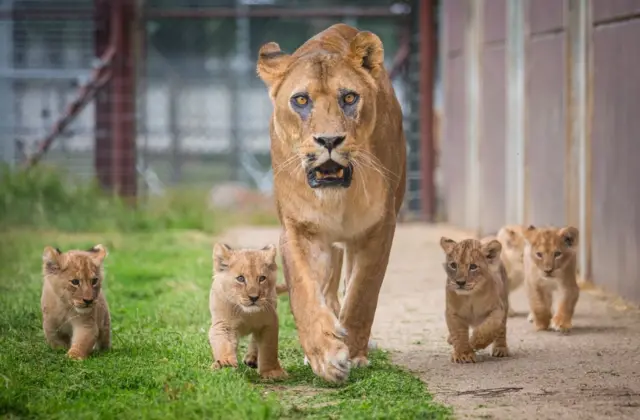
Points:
[(516, 111)]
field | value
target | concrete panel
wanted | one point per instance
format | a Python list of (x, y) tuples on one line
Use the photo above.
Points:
[(494, 20), (545, 15), (456, 13), (546, 132), (611, 9), (615, 156)]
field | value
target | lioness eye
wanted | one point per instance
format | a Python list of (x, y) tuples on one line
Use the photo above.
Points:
[(473, 267), (240, 279), (75, 282), (349, 98), (261, 279), (94, 281), (453, 265), (301, 100), (539, 254)]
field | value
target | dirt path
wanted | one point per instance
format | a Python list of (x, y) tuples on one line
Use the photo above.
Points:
[(593, 373)]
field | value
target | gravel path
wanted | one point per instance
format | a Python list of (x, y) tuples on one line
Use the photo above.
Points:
[(593, 373)]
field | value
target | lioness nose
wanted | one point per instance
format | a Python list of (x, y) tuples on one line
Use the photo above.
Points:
[(329, 142), (253, 299), (87, 301)]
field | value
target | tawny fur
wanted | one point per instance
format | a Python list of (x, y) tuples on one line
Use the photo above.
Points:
[(75, 314), (512, 241), (362, 217), (476, 296), (239, 275), (550, 265)]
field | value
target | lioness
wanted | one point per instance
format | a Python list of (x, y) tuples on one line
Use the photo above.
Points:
[(75, 315), (338, 153), (550, 265), (243, 301), (476, 296)]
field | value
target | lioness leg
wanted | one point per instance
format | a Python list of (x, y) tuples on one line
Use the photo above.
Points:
[(370, 259), (459, 339), (306, 260), (224, 346), (251, 358), (330, 288), (267, 341), (540, 306), (564, 314)]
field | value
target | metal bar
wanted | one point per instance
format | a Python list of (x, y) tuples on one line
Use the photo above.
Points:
[(103, 143), (473, 94), (44, 14), (427, 53), (270, 12), (123, 100), (7, 135)]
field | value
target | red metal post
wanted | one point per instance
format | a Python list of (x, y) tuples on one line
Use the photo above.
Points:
[(103, 143), (123, 126), (427, 51)]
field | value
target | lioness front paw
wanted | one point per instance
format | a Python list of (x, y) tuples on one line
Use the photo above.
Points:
[(360, 361), (223, 363), (326, 351), (560, 324), (273, 374), (463, 357), (500, 351), (251, 360)]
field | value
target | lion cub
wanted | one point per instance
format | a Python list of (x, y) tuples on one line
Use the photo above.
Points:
[(550, 264), (512, 241), (75, 314), (243, 301), (476, 296)]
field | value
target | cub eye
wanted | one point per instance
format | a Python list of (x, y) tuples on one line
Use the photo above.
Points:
[(557, 254), (261, 279), (473, 267), (75, 282), (301, 100), (453, 265), (94, 281), (350, 98), (240, 279), (539, 254)]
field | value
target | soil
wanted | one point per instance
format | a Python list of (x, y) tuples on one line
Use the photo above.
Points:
[(591, 373)]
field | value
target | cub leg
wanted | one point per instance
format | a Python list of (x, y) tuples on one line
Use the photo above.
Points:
[(487, 332), (82, 342), (268, 363), (104, 334), (566, 307), (224, 346), (540, 305), (53, 337), (251, 358), (459, 339)]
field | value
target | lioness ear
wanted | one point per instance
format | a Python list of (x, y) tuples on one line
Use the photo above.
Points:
[(491, 250), (272, 63), (221, 254), (51, 259), (447, 244), (569, 236), (367, 52), (100, 253)]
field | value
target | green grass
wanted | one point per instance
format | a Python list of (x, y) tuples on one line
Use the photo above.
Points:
[(158, 277)]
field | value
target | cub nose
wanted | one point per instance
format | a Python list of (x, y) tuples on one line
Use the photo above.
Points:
[(329, 142), (253, 299), (87, 301), (548, 271), (461, 282)]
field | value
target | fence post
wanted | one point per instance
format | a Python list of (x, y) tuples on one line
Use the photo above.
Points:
[(7, 127), (427, 150), (103, 140)]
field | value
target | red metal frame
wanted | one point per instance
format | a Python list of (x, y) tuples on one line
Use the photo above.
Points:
[(427, 49)]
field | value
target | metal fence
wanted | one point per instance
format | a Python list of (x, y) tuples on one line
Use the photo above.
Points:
[(540, 124), (181, 104)]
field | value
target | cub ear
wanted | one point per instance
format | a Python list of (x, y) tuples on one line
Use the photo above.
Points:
[(221, 254), (447, 244), (100, 252), (51, 258), (366, 51), (272, 63), (271, 252), (529, 233), (569, 236), (491, 250)]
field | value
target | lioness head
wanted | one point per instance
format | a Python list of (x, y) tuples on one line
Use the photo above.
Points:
[(469, 262), (325, 105), (76, 276), (247, 277), (551, 248)]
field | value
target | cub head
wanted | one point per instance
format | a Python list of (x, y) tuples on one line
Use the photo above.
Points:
[(325, 105), (76, 276), (511, 238), (551, 249), (469, 262), (247, 277)]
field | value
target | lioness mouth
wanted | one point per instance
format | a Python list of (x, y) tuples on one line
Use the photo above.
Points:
[(330, 174)]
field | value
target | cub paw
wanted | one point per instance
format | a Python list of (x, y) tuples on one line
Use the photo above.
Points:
[(76, 354), (561, 325), (251, 360), (511, 313), (463, 357), (500, 351), (530, 317), (274, 374)]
